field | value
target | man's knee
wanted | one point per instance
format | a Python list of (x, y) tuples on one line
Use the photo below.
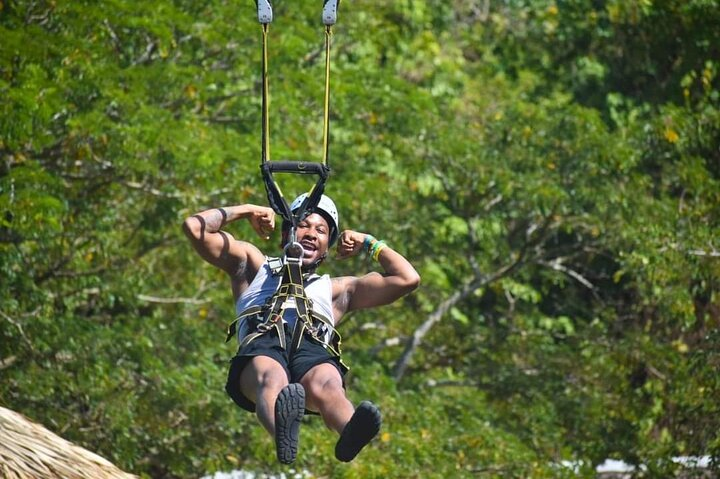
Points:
[(324, 385), (272, 380), (262, 375)]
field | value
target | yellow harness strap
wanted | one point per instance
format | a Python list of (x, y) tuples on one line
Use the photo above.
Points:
[(270, 315)]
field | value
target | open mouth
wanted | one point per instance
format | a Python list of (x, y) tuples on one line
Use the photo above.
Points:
[(308, 247)]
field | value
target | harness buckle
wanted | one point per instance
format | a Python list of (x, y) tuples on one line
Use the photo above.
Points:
[(266, 326)]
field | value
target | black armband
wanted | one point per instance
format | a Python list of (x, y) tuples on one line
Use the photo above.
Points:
[(224, 215)]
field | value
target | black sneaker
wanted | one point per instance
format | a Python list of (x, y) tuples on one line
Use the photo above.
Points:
[(362, 427), (289, 410)]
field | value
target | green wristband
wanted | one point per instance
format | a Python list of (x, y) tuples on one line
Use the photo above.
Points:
[(369, 242)]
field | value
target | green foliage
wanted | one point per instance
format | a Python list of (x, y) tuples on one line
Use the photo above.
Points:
[(551, 168)]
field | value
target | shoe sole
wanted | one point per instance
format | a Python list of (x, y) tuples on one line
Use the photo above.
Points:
[(289, 410), (362, 428)]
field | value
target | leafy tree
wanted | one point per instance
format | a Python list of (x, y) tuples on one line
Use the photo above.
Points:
[(550, 167)]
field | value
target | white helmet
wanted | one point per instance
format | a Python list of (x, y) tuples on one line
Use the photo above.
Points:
[(326, 207)]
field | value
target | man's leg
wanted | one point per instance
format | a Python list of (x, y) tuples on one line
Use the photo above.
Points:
[(261, 381), (279, 405), (326, 395)]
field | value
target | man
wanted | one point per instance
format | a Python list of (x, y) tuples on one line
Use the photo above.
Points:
[(279, 383)]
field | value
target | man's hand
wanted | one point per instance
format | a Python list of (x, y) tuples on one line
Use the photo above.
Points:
[(350, 244), (262, 220)]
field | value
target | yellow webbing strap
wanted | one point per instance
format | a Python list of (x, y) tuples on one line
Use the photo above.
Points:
[(265, 97), (316, 325), (233, 328), (326, 114)]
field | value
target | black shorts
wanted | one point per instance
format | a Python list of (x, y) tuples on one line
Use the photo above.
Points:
[(308, 355)]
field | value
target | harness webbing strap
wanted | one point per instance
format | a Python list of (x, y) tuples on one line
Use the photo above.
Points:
[(292, 289), (326, 110), (303, 323), (265, 97), (233, 328), (290, 294), (275, 196)]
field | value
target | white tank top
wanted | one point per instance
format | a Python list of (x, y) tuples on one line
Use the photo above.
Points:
[(265, 284)]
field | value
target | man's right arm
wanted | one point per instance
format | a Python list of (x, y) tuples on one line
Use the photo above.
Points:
[(218, 247)]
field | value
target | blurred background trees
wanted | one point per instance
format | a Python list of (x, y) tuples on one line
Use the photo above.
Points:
[(550, 167)]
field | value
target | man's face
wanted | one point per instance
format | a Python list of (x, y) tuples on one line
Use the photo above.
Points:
[(313, 233)]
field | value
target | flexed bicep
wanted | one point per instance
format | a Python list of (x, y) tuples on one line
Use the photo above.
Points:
[(213, 246), (378, 289), (218, 247)]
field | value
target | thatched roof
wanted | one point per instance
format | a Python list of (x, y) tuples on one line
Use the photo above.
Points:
[(29, 451)]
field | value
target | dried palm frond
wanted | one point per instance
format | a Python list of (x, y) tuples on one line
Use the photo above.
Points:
[(29, 451)]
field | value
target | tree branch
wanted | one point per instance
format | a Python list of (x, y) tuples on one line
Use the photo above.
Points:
[(699, 252), (53, 270), (113, 36), (468, 288), (156, 299), (7, 362), (148, 189), (534, 237), (497, 199), (20, 328), (433, 383), (557, 265), (147, 54), (386, 343)]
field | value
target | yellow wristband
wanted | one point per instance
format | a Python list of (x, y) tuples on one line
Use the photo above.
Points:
[(376, 249)]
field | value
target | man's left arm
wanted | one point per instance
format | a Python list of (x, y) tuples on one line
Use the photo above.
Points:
[(373, 289)]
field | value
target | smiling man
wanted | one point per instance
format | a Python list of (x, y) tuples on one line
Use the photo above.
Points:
[(279, 381)]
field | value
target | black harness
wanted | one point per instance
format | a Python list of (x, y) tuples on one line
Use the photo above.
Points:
[(289, 295)]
